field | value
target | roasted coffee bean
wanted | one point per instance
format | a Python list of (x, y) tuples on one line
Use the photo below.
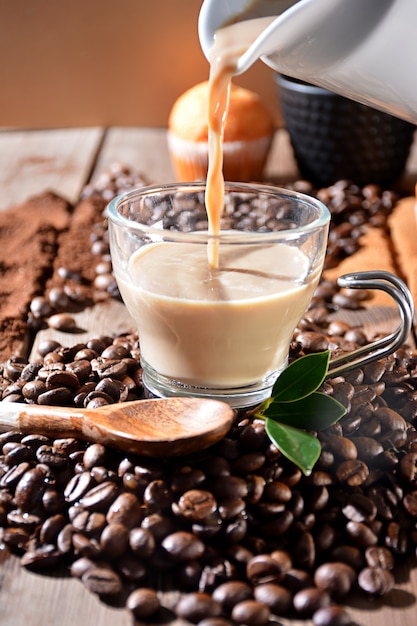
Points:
[(131, 569), (115, 389), (361, 534), (325, 538), (349, 554), (197, 606), (408, 466), (313, 342), (17, 453), (95, 454), (58, 299), (256, 485), (40, 307), (307, 601), (335, 577), (231, 593), (359, 508), (393, 439), (80, 367), (33, 389), (102, 581), (62, 321), (186, 478), (62, 378), (86, 546), (15, 537), (264, 568), (64, 539), (410, 503), (80, 566), (251, 613), (367, 448), (390, 419), (51, 528), (379, 556), (159, 525), (142, 542), (248, 463), (99, 497), (28, 521), (59, 396), (78, 486), (29, 489), (114, 540), (317, 498), (183, 546), (277, 491), (305, 550), (125, 509), (276, 597), (43, 557), (396, 538), (233, 487), (385, 500), (110, 369), (341, 447), (51, 456), (332, 616), (96, 399), (12, 476), (143, 602), (196, 505), (376, 580), (158, 496), (354, 472)]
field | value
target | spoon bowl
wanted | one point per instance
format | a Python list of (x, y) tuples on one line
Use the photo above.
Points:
[(157, 427)]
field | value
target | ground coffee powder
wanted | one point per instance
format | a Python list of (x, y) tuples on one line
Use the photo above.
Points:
[(28, 243)]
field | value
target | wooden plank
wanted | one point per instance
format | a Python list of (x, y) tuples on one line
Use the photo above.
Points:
[(107, 318), (35, 600), (32, 162), (145, 150), (281, 166)]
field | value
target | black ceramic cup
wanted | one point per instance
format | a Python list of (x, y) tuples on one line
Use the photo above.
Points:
[(334, 138)]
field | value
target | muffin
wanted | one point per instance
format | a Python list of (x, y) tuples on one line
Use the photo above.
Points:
[(248, 134)]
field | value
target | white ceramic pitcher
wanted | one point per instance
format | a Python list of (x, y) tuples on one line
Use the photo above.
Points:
[(365, 50)]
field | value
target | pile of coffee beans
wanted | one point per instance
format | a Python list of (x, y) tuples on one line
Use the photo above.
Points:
[(236, 534), (102, 371), (237, 531)]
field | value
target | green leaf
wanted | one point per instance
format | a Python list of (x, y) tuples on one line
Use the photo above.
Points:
[(314, 412), (298, 446), (302, 377)]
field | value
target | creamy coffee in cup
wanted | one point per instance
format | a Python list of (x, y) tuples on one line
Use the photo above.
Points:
[(219, 332)]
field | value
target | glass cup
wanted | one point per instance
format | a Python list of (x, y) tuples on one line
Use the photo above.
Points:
[(225, 332), (219, 332)]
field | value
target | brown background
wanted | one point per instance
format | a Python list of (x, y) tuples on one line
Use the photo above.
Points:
[(102, 62)]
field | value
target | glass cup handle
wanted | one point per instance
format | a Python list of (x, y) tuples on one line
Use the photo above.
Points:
[(396, 288)]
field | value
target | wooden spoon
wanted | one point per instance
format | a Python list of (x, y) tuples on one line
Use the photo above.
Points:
[(157, 427)]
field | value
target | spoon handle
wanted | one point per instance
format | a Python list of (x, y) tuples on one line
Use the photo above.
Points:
[(155, 427), (33, 418)]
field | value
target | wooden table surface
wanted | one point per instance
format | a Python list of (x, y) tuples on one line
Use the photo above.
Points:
[(64, 161)]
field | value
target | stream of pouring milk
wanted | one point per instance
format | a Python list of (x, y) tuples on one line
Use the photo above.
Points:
[(229, 44)]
